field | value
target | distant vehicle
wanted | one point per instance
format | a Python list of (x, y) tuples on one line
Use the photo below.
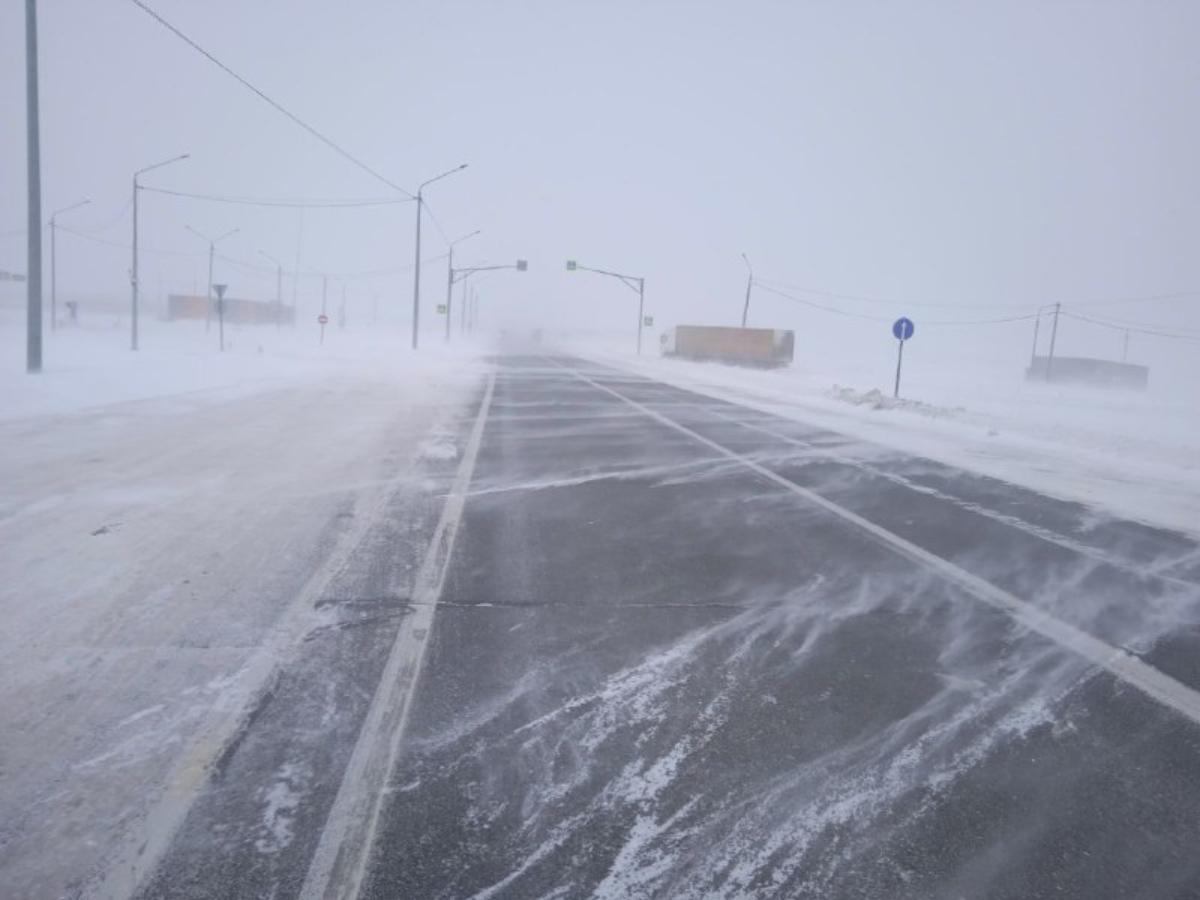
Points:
[(761, 347)]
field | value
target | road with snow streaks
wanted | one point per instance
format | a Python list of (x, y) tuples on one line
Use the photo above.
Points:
[(659, 671), (674, 647)]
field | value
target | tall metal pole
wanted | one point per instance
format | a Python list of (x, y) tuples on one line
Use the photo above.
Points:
[(462, 315), (899, 362), (324, 297), (449, 291), (1037, 322), (208, 316), (53, 277), (1053, 335), (416, 317), (33, 270), (133, 275), (749, 284), (641, 303)]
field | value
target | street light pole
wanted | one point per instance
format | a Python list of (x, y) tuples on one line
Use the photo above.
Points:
[(133, 271), (278, 289), (416, 316), (1053, 335), (450, 280), (641, 319), (54, 260), (749, 284), (212, 246), (33, 302)]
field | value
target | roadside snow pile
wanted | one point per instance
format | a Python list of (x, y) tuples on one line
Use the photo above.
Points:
[(875, 399)]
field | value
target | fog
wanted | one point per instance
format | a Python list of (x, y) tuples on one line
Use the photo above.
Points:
[(990, 159)]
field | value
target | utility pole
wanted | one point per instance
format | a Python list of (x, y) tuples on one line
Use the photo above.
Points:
[(416, 315), (641, 305), (212, 244), (133, 276), (220, 289), (449, 290), (278, 288), (54, 260), (1053, 335), (1037, 322), (749, 284), (133, 269), (33, 305), (1125, 347), (450, 279), (208, 309)]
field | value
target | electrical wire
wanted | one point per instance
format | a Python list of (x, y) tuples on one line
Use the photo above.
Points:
[(279, 107), (1135, 329), (292, 204), (873, 318), (833, 295)]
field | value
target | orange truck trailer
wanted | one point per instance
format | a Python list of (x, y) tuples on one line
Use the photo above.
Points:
[(761, 347)]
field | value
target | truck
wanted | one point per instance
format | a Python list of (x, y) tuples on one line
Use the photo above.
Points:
[(759, 347)]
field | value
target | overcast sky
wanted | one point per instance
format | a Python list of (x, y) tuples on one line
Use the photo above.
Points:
[(982, 154)]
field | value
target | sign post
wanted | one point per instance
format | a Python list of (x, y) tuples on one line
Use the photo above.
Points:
[(902, 329), (220, 289), (323, 320)]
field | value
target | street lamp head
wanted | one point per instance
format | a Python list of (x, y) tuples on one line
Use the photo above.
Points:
[(572, 265), (165, 162), (522, 265)]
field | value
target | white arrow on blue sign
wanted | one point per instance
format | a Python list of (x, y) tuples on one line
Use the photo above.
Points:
[(902, 328)]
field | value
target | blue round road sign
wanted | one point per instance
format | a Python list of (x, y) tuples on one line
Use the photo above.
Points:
[(902, 328)]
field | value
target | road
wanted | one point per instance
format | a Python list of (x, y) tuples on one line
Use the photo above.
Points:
[(674, 647)]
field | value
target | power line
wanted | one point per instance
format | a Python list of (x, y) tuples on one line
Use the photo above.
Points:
[(1136, 329), (293, 204), (121, 246), (273, 103), (872, 318), (861, 298)]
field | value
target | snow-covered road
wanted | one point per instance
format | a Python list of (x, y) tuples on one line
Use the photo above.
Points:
[(160, 560)]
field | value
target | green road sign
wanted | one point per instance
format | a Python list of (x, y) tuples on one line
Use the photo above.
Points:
[(441, 309), (648, 321)]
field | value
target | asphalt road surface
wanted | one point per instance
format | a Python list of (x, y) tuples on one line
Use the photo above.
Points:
[(681, 648)]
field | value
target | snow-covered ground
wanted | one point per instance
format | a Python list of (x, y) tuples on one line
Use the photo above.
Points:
[(165, 520), (1134, 454)]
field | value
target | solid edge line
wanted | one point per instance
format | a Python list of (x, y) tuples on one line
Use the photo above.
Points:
[(339, 863), (1120, 663), (142, 850)]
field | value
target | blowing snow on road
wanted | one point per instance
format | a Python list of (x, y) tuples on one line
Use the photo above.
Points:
[(458, 450)]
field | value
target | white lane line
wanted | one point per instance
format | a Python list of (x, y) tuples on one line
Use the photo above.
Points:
[(1037, 531), (1121, 664), (142, 849), (339, 863)]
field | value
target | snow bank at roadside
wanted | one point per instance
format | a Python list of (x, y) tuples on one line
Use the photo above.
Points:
[(91, 365), (1136, 455)]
